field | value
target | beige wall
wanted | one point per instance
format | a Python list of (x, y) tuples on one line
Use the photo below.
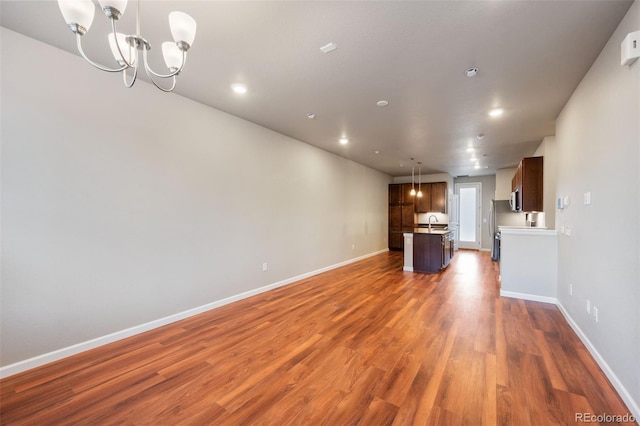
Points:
[(123, 206), (598, 151)]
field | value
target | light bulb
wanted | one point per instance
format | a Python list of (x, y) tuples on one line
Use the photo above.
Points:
[(78, 12), (172, 55), (119, 5), (125, 47), (413, 192), (419, 194), (183, 28)]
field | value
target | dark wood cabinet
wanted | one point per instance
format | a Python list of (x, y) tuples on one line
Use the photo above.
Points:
[(439, 197), (423, 204), (431, 252), (395, 194), (401, 214), (407, 198), (434, 198), (527, 183)]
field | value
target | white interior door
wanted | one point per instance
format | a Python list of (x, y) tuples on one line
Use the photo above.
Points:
[(470, 212)]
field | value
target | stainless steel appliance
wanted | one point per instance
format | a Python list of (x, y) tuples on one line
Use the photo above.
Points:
[(500, 214)]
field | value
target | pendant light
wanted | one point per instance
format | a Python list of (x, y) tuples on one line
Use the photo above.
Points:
[(413, 182), (419, 179)]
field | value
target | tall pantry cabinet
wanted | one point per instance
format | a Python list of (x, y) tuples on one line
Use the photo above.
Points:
[(401, 214)]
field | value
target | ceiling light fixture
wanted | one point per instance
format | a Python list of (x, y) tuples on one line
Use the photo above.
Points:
[(239, 88), (376, 152), (329, 47), (311, 116), (343, 141), (79, 16), (496, 112), (480, 136), (471, 72), (382, 103)]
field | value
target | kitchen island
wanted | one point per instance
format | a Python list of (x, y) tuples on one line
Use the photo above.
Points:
[(427, 250)]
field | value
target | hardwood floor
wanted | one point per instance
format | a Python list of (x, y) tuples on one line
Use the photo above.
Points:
[(364, 344)]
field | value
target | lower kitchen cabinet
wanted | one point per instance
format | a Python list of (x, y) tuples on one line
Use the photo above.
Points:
[(431, 251)]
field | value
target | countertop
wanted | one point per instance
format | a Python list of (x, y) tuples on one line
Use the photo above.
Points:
[(432, 231), (507, 230)]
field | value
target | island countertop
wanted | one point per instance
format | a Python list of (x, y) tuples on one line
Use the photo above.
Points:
[(432, 231)]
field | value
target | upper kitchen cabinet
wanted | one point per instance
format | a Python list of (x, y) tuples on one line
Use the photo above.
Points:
[(423, 204), (528, 185), (434, 198), (407, 198)]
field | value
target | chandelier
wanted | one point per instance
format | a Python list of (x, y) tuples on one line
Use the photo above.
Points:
[(125, 48)]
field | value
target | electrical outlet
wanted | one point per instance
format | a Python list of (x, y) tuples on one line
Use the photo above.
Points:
[(595, 314), (588, 306), (570, 289), (265, 267)]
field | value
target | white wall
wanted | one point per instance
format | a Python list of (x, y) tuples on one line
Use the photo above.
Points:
[(547, 149), (598, 140), (122, 206)]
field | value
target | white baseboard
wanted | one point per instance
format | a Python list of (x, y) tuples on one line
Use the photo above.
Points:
[(407, 268), (56, 355), (525, 296), (622, 391)]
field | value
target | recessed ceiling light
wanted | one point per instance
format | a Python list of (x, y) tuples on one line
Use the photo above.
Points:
[(496, 112), (471, 72), (239, 88), (343, 141), (311, 116), (477, 166), (382, 103), (376, 152), (469, 149), (480, 136), (329, 47), (474, 159)]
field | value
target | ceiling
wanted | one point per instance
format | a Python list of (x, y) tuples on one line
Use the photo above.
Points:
[(530, 56)]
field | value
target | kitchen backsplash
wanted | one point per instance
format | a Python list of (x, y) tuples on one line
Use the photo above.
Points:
[(424, 217)]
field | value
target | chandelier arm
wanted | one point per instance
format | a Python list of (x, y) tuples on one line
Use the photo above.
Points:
[(173, 84), (130, 84), (173, 74), (115, 38), (100, 67)]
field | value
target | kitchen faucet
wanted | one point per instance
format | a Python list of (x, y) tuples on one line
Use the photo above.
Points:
[(429, 219)]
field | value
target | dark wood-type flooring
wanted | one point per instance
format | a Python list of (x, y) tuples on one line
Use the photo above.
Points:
[(363, 344)]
